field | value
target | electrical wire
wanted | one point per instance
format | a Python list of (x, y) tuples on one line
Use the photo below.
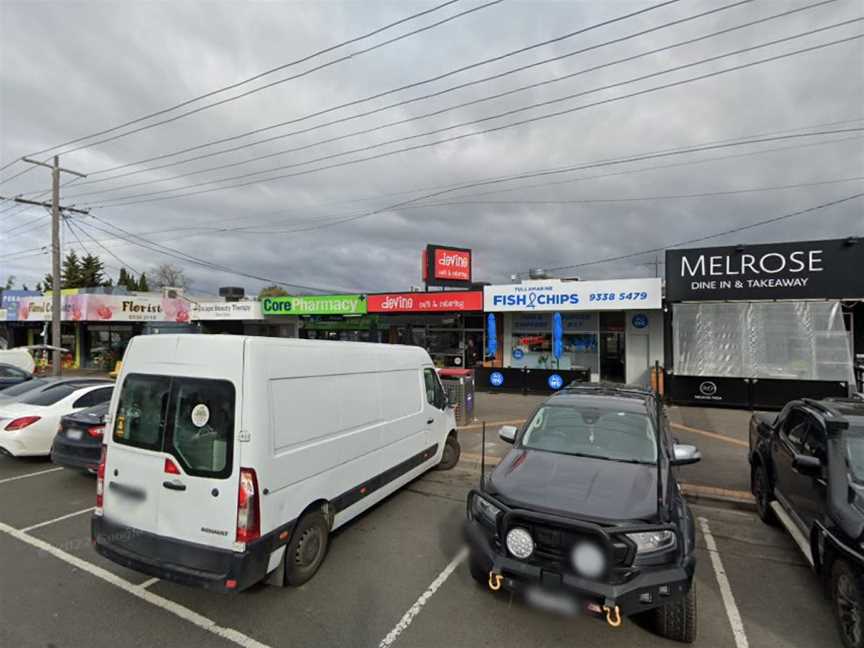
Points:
[(148, 196), (122, 263), (415, 84), (414, 118)]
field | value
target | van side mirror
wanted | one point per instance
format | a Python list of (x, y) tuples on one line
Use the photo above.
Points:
[(807, 465), (508, 433), (683, 455)]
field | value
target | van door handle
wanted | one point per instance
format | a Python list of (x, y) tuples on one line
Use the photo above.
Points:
[(430, 421), (174, 485)]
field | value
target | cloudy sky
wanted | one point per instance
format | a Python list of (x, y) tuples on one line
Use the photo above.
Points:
[(318, 212)]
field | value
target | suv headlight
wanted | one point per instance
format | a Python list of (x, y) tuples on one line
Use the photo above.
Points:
[(652, 541), (484, 511)]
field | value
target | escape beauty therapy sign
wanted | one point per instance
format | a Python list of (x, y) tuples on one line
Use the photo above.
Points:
[(829, 269)]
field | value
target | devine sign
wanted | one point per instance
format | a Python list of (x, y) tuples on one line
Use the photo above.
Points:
[(423, 302), (446, 266), (315, 305), (828, 269), (557, 295)]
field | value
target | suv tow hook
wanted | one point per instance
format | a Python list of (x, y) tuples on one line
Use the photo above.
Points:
[(613, 615), (495, 581)]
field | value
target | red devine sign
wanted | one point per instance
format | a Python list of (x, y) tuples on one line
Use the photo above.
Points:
[(425, 302), (454, 265)]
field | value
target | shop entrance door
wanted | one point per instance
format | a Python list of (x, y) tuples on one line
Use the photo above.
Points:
[(612, 357)]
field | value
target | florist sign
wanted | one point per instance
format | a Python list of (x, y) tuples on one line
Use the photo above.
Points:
[(114, 308), (315, 305)]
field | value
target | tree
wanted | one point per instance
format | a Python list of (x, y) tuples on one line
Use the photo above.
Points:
[(70, 273), (142, 283), (170, 276), (91, 273), (272, 291), (10, 283)]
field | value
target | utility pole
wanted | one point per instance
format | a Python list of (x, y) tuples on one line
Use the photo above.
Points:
[(55, 250)]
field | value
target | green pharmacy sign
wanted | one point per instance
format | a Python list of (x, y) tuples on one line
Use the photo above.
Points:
[(315, 305)]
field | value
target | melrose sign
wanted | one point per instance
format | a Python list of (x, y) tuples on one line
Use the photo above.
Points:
[(801, 270), (315, 305)]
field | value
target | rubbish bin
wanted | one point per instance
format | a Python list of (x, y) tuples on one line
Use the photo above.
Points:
[(459, 385)]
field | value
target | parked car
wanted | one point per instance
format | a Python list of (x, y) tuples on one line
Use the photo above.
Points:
[(28, 425), (807, 473), (10, 375), (232, 458), (16, 393), (584, 512), (18, 357), (78, 443)]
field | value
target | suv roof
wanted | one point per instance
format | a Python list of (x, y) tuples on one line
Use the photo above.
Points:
[(607, 389), (630, 397), (850, 409)]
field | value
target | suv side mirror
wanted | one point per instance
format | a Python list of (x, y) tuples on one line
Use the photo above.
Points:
[(683, 455), (508, 433), (807, 465)]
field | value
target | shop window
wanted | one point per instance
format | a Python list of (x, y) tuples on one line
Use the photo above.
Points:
[(786, 340)]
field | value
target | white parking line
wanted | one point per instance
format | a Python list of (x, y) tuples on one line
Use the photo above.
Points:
[(414, 610), (57, 519), (33, 474), (148, 583), (725, 589), (154, 599)]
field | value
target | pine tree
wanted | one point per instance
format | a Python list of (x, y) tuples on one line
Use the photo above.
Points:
[(142, 283), (70, 274), (92, 273), (123, 279)]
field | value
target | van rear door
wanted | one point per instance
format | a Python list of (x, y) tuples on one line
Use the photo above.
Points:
[(173, 450)]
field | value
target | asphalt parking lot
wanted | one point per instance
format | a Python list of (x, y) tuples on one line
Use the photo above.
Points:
[(393, 577)]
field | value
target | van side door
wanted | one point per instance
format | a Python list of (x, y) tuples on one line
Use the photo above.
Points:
[(435, 408)]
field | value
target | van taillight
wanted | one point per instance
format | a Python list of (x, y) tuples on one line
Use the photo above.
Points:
[(100, 479), (248, 508)]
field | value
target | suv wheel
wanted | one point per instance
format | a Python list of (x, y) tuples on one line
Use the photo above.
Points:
[(477, 572), (848, 603), (677, 621), (761, 487), (307, 548), (450, 456)]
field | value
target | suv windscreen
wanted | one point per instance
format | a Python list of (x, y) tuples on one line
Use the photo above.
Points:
[(854, 438), (190, 418), (593, 432)]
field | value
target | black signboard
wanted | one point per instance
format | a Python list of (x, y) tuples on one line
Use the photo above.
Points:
[(831, 269), (749, 393)]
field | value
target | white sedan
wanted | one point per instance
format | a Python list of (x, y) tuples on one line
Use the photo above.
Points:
[(28, 426)]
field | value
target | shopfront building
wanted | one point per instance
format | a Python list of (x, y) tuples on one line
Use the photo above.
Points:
[(448, 324), (756, 326), (610, 331), (321, 317)]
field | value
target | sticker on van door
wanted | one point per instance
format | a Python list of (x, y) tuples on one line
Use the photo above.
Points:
[(200, 415)]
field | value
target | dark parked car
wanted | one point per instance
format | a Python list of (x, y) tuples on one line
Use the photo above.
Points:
[(10, 375), (807, 472), (585, 514), (78, 443)]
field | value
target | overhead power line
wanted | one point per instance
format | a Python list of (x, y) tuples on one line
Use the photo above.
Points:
[(122, 263), (734, 230), (264, 87), (149, 197), (411, 119), (415, 84)]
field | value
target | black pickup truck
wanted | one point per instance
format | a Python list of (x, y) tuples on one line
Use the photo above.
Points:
[(807, 473), (584, 513)]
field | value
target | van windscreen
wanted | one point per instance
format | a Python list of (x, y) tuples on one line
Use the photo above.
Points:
[(190, 418)]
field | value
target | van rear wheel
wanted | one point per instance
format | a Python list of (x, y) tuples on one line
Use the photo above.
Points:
[(307, 548)]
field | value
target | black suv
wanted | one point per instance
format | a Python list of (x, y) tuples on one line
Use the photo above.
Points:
[(807, 472), (585, 514)]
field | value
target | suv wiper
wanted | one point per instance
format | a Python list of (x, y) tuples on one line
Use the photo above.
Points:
[(601, 457)]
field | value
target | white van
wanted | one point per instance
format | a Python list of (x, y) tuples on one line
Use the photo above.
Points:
[(231, 458)]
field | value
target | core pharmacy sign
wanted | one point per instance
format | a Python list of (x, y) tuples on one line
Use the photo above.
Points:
[(557, 295), (315, 305), (802, 270)]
